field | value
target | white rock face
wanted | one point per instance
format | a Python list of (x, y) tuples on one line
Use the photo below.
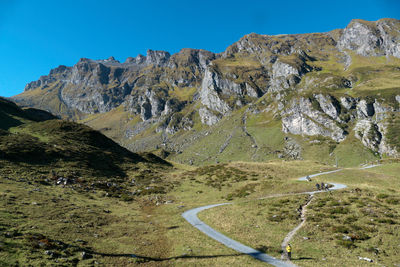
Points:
[(251, 91), (348, 102), (213, 86), (379, 38), (380, 111), (368, 133), (208, 117), (389, 30), (361, 38), (158, 58), (301, 118), (209, 94), (285, 76), (364, 109), (384, 148), (327, 106), (280, 69)]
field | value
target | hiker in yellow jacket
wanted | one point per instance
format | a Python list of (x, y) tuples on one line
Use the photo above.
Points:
[(289, 251)]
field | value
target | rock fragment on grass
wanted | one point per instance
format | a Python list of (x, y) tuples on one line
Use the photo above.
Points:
[(365, 259)]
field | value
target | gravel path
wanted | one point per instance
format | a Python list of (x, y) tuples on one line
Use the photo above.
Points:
[(191, 217)]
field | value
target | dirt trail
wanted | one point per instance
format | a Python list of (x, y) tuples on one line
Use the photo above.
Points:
[(291, 234), (252, 139), (191, 217)]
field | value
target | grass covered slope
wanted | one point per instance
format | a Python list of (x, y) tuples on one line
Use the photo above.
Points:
[(66, 193), (49, 150), (76, 222), (361, 221), (11, 115), (70, 196)]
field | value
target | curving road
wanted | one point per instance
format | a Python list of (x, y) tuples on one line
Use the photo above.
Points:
[(191, 217)]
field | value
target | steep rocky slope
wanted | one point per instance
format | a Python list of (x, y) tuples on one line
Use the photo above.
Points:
[(319, 96)]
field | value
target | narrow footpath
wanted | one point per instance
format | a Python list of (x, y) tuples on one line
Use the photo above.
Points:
[(191, 217)]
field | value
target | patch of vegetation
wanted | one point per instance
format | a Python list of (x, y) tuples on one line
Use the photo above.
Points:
[(241, 192)]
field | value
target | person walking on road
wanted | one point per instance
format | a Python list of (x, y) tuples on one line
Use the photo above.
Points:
[(289, 251)]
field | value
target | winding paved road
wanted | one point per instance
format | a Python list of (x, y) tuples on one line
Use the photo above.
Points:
[(191, 217)]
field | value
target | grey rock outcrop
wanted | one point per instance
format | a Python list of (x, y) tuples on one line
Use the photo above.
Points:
[(366, 38), (158, 58), (292, 149), (348, 102), (329, 106), (300, 118), (365, 109), (368, 133), (208, 117), (209, 93), (281, 69)]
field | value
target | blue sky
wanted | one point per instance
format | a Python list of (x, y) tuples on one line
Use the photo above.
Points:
[(36, 36)]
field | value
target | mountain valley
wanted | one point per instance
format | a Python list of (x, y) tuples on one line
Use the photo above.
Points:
[(99, 161)]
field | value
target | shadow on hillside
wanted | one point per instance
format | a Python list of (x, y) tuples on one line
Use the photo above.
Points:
[(149, 259), (6, 121), (303, 258)]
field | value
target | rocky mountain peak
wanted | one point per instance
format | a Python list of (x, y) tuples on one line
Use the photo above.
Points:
[(59, 69), (157, 58), (138, 60), (369, 38), (189, 56), (111, 60), (83, 59)]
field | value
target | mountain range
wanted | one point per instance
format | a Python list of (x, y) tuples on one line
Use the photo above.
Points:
[(332, 97)]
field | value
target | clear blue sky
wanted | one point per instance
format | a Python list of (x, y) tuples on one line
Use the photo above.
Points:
[(38, 35)]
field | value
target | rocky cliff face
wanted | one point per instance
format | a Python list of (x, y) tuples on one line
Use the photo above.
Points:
[(334, 85), (366, 38), (98, 86)]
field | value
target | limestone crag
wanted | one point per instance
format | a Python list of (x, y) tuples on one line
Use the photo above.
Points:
[(208, 117), (327, 116), (379, 38), (301, 118)]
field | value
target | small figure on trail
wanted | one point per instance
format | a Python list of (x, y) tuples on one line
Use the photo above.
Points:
[(53, 175), (289, 251), (299, 209), (318, 186), (327, 187), (322, 186), (308, 178)]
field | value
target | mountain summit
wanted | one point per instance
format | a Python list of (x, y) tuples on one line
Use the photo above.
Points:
[(332, 95)]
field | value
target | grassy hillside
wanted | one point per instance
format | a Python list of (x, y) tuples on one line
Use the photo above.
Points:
[(67, 191), (72, 197), (50, 150), (50, 224), (361, 221)]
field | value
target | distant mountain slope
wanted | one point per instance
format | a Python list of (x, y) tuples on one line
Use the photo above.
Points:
[(318, 96)]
